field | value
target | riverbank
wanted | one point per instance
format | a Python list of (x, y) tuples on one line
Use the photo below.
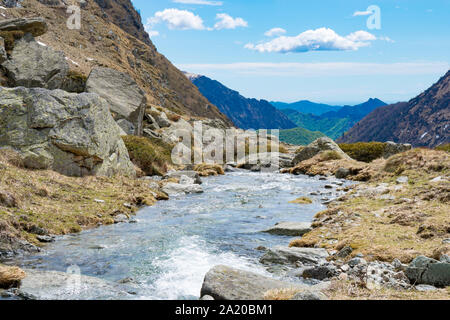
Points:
[(37, 205)]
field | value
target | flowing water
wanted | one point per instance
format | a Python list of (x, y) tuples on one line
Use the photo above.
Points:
[(174, 243)]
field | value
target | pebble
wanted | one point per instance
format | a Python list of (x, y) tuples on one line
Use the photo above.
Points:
[(99, 201)]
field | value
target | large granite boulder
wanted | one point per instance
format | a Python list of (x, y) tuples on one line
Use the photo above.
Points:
[(125, 99), (316, 147), (52, 285), (32, 65), (35, 26), (423, 270), (73, 134), (225, 283)]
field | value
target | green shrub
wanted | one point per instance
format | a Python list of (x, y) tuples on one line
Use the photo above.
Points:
[(444, 147), (364, 151), (330, 155), (151, 155)]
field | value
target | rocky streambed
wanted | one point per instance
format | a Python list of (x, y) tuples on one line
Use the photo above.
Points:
[(168, 249)]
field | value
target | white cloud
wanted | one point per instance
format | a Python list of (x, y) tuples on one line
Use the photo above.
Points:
[(337, 69), (322, 39), (152, 33), (200, 2), (386, 39), (176, 20), (228, 22), (362, 13), (275, 32)]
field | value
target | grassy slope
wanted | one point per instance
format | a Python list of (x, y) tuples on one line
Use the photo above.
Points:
[(299, 136), (60, 204)]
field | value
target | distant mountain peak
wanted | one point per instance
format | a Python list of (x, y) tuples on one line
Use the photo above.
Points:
[(192, 76)]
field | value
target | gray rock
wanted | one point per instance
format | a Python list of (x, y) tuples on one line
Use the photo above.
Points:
[(446, 241), (162, 120), (318, 146), (423, 270), (356, 261), (125, 99), (342, 173), (126, 126), (188, 173), (207, 298), (32, 65), (308, 295), (36, 26), (151, 134), (65, 286), (73, 134), (45, 239), (176, 188), (7, 199), (225, 283), (393, 148), (293, 229), (120, 218), (294, 256), (320, 272), (445, 258), (344, 252), (425, 288), (258, 161), (402, 179)]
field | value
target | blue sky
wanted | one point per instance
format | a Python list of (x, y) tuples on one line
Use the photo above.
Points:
[(322, 50)]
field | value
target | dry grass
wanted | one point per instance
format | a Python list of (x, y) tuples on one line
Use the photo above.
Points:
[(347, 290), (10, 277), (414, 222), (59, 205), (206, 170), (281, 294)]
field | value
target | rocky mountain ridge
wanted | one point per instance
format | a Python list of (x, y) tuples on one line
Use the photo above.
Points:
[(423, 121)]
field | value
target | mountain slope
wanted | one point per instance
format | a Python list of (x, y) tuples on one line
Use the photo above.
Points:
[(245, 113), (334, 123), (299, 136), (112, 35), (306, 107), (423, 121)]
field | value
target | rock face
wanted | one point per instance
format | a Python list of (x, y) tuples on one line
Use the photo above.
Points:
[(423, 121), (35, 26), (393, 148), (125, 99), (224, 283), (32, 65), (294, 256), (65, 286), (292, 229), (321, 144), (73, 134), (424, 270)]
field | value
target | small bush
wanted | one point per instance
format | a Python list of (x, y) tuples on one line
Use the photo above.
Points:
[(330, 155), (151, 155), (302, 200), (364, 151), (444, 147)]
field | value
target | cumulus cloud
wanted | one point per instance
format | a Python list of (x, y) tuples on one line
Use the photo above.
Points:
[(322, 39), (228, 22), (362, 13), (176, 20), (275, 32), (200, 2)]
